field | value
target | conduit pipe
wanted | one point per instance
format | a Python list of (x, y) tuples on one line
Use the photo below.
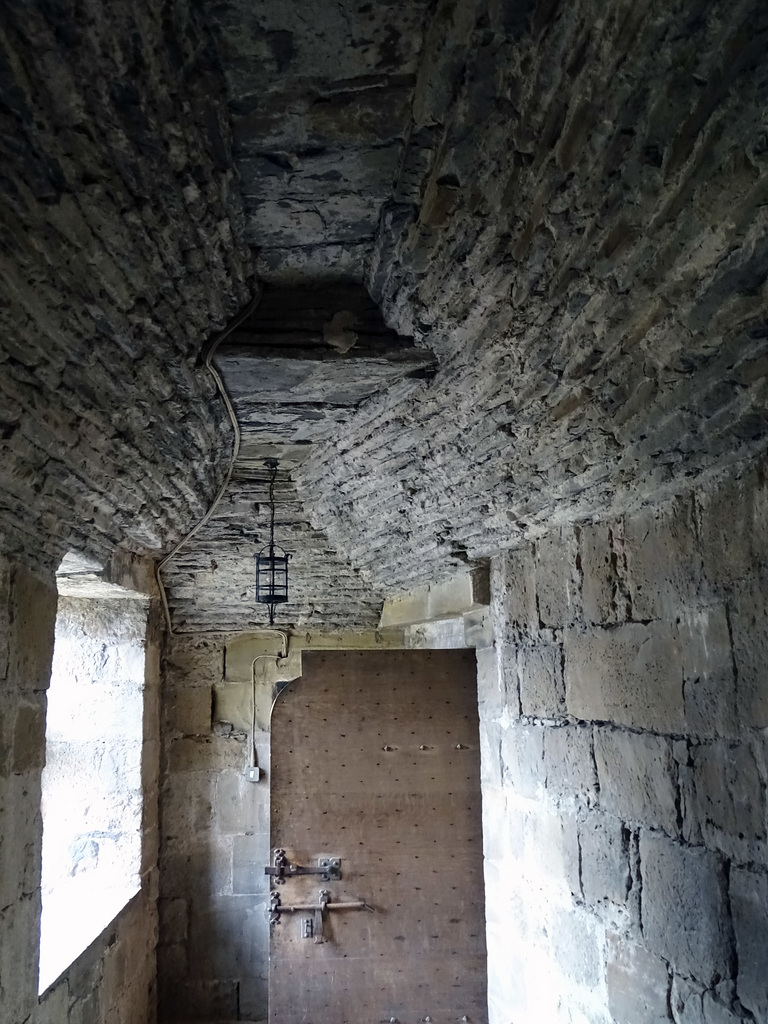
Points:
[(263, 657), (210, 351)]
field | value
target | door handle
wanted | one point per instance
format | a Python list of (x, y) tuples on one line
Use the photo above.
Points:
[(318, 911), (329, 868)]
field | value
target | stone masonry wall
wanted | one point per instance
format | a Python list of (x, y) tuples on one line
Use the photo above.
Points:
[(112, 982), (214, 939), (579, 232), (624, 723), (122, 240)]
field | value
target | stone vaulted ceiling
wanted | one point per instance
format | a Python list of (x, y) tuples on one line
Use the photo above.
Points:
[(512, 260)]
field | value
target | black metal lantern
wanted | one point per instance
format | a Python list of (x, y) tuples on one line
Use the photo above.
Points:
[(272, 561)]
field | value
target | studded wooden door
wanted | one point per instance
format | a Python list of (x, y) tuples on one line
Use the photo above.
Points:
[(375, 761)]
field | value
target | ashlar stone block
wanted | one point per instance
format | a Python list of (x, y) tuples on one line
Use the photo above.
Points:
[(187, 710), (174, 920), (663, 564), (229, 937), (250, 854), (749, 624), (630, 675), (33, 621), (522, 751), (240, 806), (709, 688), (28, 750), (576, 945), (491, 764), (683, 907), (558, 586), (749, 906), (602, 600), (605, 873), (726, 529), (540, 672), (569, 765), (637, 777), (638, 983), (551, 848), (491, 692), (728, 794), (520, 591)]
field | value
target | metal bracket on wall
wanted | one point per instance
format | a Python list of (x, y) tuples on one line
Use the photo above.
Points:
[(329, 868), (312, 928)]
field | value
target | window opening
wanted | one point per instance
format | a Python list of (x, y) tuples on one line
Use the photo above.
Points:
[(91, 785)]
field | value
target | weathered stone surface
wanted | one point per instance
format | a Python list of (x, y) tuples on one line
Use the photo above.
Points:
[(638, 983), (749, 898), (250, 854), (212, 754), (124, 251), (732, 528), (636, 774), (28, 744), (33, 616), (709, 686), (558, 587), (576, 946), (630, 675), (522, 753), (519, 585), (569, 765), (683, 907), (173, 920), (589, 265), (213, 926), (212, 583), (608, 407), (604, 844), (663, 562), (728, 795), (603, 571), (197, 869), (187, 709), (240, 806), (491, 692), (229, 939), (749, 625), (542, 692)]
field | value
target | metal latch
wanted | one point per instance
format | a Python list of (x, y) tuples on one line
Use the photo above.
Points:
[(312, 927), (329, 868)]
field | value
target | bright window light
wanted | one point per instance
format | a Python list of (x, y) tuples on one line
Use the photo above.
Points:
[(92, 792)]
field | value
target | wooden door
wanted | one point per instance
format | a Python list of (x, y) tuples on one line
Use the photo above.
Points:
[(375, 761)]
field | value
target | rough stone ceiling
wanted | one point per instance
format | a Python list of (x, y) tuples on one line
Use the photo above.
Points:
[(320, 96), (565, 202)]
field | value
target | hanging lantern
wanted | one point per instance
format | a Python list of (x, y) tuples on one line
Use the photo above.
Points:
[(272, 561)]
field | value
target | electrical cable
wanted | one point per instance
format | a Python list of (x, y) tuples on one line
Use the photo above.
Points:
[(261, 657), (208, 362)]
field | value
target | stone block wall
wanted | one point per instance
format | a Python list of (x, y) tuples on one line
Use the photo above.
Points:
[(214, 938), (112, 982), (624, 722)]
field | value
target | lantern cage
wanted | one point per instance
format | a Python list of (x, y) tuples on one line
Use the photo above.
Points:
[(272, 575), (272, 560)]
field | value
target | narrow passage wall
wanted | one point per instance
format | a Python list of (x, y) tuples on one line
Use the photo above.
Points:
[(214, 940), (112, 982), (624, 715)]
